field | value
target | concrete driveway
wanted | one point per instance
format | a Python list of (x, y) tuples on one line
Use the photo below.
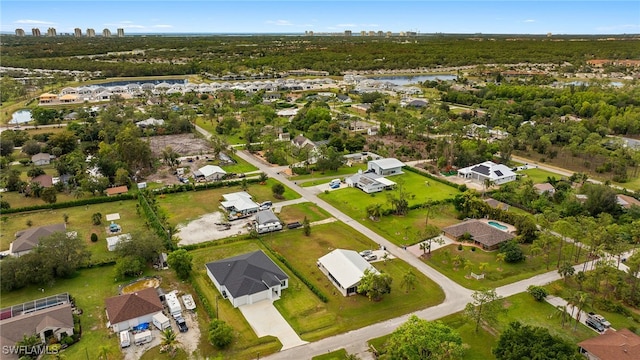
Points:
[(265, 319)]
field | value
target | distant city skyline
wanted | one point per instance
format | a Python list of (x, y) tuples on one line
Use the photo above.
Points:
[(319, 16)]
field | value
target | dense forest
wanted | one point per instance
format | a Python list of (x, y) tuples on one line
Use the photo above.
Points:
[(219, 55)]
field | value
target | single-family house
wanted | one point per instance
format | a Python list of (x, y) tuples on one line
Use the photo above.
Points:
[(362, 108), (53, 320), (68, 98), (417, 103), (482, 233), (266, 221), (43, 180), (71, 116), (239, 204), (385, 167), (113, 241), (284, 137), (47, 98), (129, 310), (117, 190), (150, 122), (41, 159), (544, 188), (496, 173), (248, 278), (626, 201), (209, 173), (26, 240), (369, 182), (345, 99), (496, 204), (623, 344), (300, 141), (345, 269), (372, 131)]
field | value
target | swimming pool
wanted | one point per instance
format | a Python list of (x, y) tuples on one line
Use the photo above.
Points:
[(498, 225)]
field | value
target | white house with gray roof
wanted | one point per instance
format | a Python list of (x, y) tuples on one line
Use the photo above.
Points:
[(266, 221), (387, 166), (248, 278), (496, 173), (345, 269)]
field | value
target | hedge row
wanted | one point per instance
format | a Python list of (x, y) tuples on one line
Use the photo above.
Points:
[(215, 242), (295, 272), (68, 204), (203, 298), (435, 178), (154, 222)]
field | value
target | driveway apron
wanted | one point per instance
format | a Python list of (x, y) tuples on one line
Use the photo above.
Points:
[(265, 319)]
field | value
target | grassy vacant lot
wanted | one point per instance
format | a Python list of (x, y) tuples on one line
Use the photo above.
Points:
[(329, 174), (521, 307), (442, 260), (17, 200), (79, 221), (189, 205), (538, 175), (241, 166), (334, 355), (297, 212), (313, 319)]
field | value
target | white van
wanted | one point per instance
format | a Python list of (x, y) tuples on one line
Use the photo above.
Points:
[(334, 184), (125, 339)]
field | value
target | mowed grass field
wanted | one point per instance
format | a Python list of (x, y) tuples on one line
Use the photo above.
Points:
[(297, 212), (80, 220)]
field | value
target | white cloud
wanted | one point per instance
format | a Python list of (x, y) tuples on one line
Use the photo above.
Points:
[(163, 26), (126, 25), (279, 22), (33, 22), (529, 21)]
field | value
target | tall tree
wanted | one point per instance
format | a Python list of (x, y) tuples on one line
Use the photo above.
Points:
[(522, 341), (419, 339), (182, 262), (486, 306), (409, 281), (63, 253), (374, 284)]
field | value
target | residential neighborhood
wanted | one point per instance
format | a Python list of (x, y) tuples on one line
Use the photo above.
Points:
[(355, 207)]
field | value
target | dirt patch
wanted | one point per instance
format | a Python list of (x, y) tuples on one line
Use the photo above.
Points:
[(183, 144), (189, 341), (205, 229), (140, 285)]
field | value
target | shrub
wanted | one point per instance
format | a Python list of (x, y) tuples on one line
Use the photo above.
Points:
[(220, 334), (538, 292), (94, 237), (67, 340), (459, 247), (513, 252)]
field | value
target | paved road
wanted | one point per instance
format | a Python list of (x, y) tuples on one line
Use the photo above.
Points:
[(456, 296)]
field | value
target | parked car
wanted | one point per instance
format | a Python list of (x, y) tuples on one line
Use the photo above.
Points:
[(366, 253), (594, 324), (241, 175), (265, 205), (599, 318), (371, 257), (294, 225), (182, 324)]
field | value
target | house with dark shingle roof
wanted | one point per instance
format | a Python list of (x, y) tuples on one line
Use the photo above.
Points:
[(612, 345), (43, 180), (248, 278), (129, 310), (26, 240), (482, 234)]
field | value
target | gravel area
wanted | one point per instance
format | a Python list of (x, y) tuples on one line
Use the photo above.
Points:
[(205, 229)]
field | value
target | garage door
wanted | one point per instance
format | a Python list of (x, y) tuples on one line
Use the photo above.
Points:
[(259, 296)]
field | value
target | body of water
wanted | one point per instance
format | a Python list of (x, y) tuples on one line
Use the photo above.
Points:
[(408, 80), (21, 117)]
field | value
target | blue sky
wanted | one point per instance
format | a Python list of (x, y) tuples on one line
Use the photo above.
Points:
[(426, 16)]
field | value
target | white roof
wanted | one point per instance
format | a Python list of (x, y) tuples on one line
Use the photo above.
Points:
[(160, 317), (239, 200), (209, 170), (385, 181), (346, 266), (489, 169), (388, 163), (113, 217), (112, 241)]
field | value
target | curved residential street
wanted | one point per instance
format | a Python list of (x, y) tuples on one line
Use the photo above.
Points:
[(355, 341)]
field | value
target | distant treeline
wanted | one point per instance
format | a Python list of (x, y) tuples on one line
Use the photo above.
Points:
[(220, 55)]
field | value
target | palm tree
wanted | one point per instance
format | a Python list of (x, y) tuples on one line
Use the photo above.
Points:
[(562, 311), (103, 352), (483, 266), (468, 265), (486, 184), (169, 339), (409, 281), (374, 211), (582, 299), (456, 261), (500, 259)]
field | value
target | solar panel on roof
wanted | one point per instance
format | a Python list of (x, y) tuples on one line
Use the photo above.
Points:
[(482, 169), (498, 172)]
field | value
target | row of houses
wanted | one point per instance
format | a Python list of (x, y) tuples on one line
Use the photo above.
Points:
[(105, 93)]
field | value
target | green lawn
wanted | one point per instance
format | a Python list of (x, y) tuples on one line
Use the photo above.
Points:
[(313, 319), (538, 175), (297, 212), (334, 355), (210, 124), (241, 166), (495, 274), (330, 174), (632, 184), (79, 221)]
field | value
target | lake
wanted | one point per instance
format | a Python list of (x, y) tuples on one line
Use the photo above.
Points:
[(21, 117), (408, 80)]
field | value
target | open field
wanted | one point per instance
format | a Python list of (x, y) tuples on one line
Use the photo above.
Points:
[(330, 174), (538, 175), (313, 319), (297, 212), (442, 260), (79, 221)]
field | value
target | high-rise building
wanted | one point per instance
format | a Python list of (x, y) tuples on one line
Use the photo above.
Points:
[(19, 32), (51, 32), (389, 34), (35, 32), (347, 33), (363, 33), (120, 32), (380, 33), (106, 33), (77, 32), (372, 33), (91, 33)]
